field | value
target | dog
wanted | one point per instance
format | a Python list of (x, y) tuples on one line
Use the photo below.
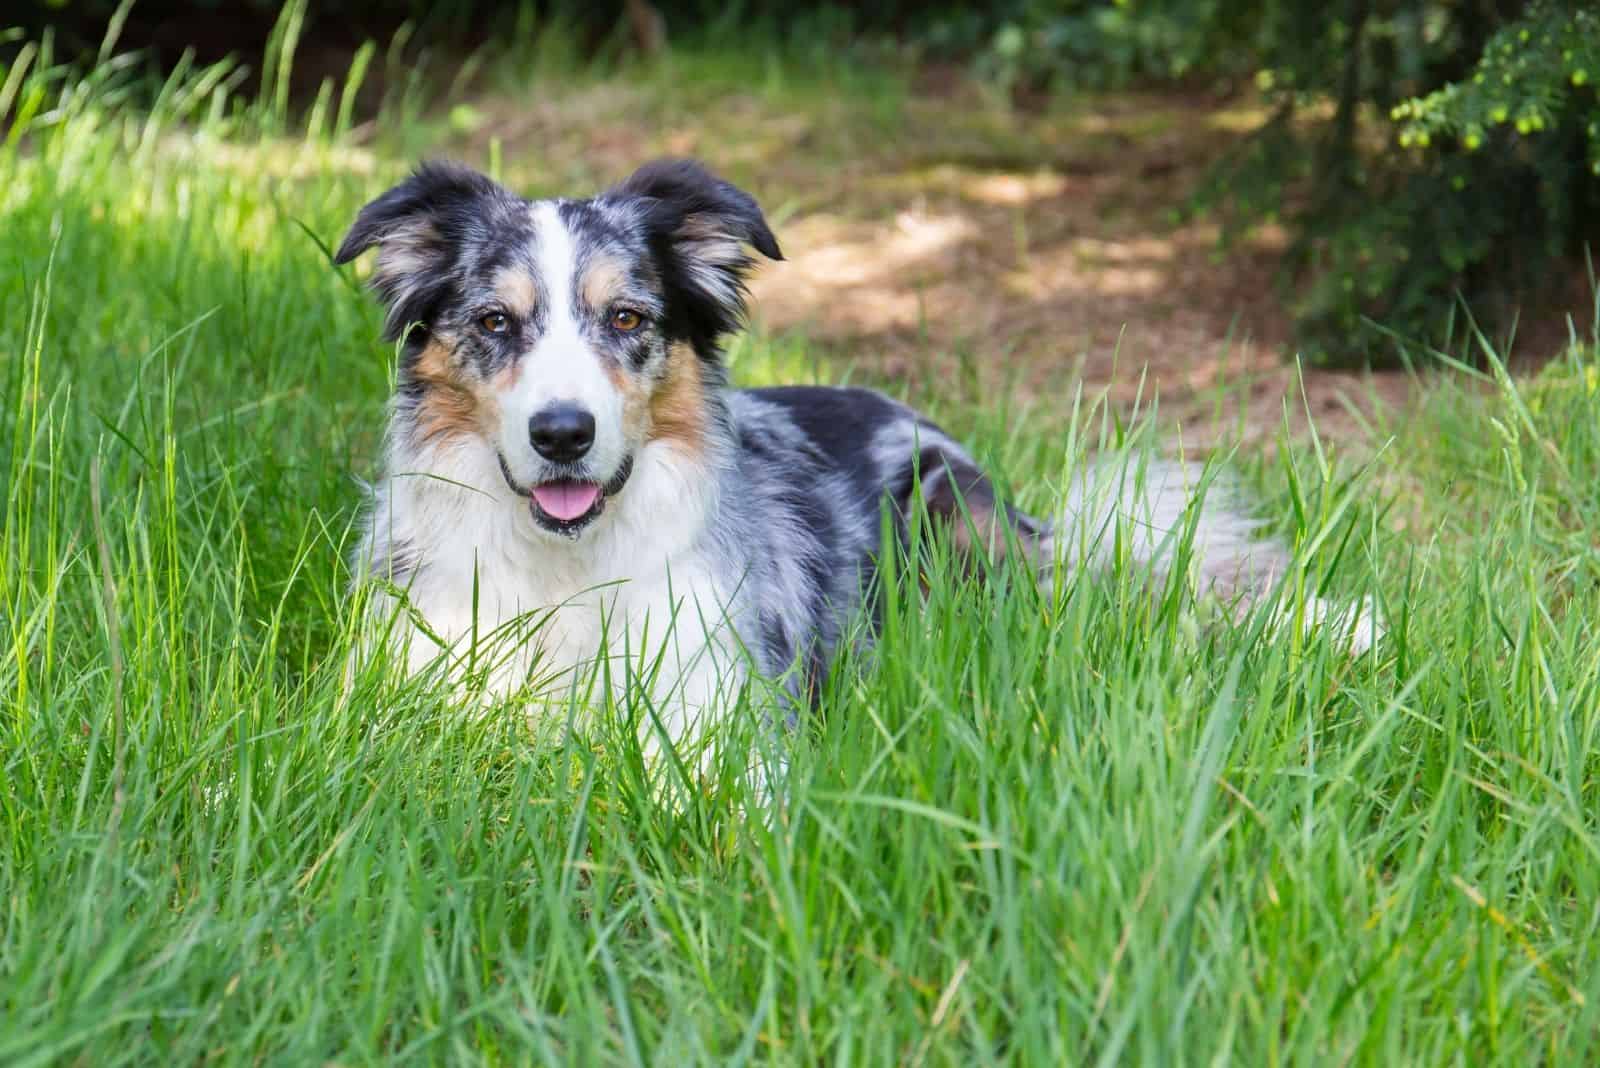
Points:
[(571, 480)]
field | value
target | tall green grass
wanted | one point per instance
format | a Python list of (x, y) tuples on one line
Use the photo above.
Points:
[(1026, 830)]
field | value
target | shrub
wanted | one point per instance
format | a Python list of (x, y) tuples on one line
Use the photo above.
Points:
[(1416, 149)]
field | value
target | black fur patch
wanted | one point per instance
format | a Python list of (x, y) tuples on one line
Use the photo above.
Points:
[(451, 226), (842, 423)]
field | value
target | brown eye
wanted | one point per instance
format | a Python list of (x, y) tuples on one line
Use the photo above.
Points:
[(495, 322), (626, 319)]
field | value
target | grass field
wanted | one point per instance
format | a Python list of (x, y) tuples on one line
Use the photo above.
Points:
[(1041, 831)]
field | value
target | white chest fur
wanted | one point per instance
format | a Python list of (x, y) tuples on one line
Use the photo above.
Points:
[(641, 599)]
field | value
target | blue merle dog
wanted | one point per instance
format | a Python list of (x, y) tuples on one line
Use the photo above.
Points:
[(570, 477)]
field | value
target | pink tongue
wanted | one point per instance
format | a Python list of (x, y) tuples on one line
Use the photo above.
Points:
[(566, 501)]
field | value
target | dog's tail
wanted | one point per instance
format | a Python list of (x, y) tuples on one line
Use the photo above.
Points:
[(1166, 516)]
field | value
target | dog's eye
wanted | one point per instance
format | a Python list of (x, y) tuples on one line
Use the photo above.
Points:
[(496, 322), (627, 320)]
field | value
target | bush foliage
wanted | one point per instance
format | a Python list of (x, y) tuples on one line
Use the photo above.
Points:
[(1416, 149)]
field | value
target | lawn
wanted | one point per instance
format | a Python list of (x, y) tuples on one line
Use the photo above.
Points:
[(1041, 830)]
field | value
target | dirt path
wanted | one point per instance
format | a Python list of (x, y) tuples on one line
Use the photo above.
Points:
[(942, 235)]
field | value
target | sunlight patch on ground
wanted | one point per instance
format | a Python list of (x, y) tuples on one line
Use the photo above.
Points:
[(1014, 190), (858, 273), (1238, 120)]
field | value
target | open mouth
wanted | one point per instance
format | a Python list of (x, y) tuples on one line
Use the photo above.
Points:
[(567, 505)]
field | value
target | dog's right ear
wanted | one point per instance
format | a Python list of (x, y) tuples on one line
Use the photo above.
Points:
[(417, 227), (699, 226)]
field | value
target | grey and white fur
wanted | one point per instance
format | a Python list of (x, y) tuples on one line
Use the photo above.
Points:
[(570, 478)]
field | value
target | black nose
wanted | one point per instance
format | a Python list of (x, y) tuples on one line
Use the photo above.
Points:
[(561, 433)]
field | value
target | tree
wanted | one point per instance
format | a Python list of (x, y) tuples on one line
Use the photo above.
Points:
[(1416, 149)]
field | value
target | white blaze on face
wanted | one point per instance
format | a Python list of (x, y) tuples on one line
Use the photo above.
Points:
[(560, 366)]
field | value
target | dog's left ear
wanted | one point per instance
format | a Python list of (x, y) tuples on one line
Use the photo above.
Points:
[(699, 227)]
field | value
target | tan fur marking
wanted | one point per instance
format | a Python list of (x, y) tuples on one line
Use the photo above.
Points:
[(505, 379), (449, 407), (979, 542), (635, 393), (515, 288), (602, 281), (977, 534), (977, 528), (678, 406), (433, 363)]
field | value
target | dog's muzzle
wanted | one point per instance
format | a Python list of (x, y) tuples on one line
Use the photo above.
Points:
[(569, 502)]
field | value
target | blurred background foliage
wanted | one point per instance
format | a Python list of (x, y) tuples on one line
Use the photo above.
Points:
[(1423, 157)]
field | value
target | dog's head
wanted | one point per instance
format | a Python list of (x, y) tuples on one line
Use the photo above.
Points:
[(566, 335)]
